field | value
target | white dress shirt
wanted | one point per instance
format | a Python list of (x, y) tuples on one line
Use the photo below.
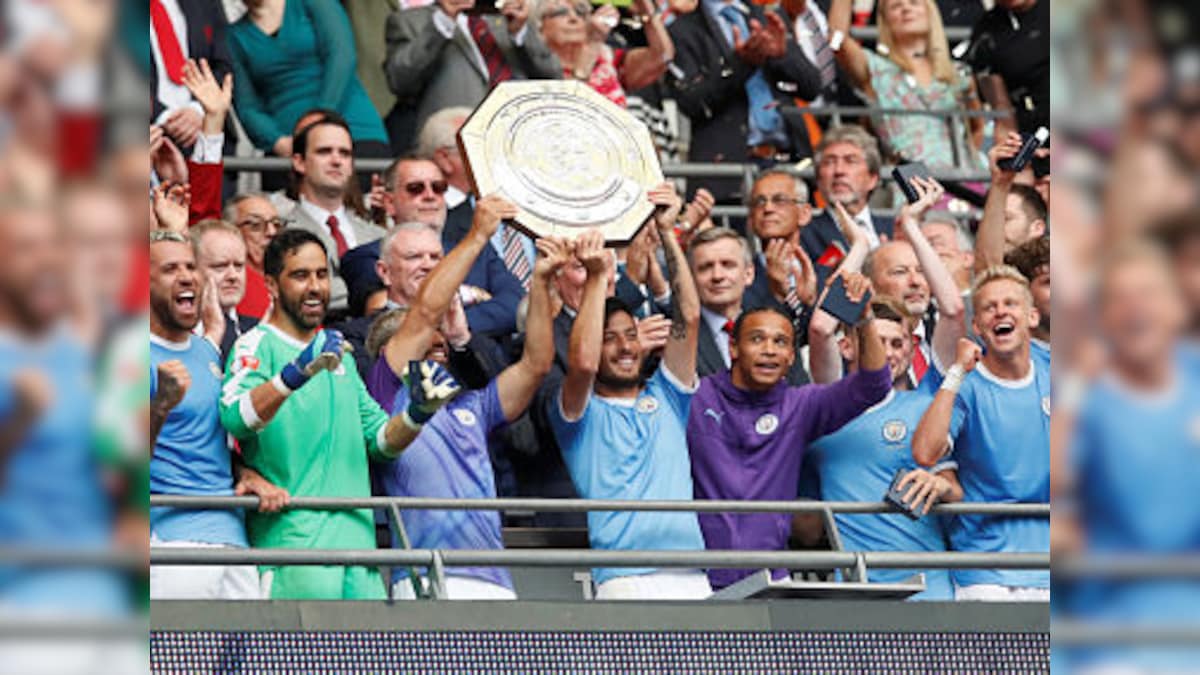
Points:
[(445, 25), (804, 38), (716, 324), (321, 216), (173, 96)]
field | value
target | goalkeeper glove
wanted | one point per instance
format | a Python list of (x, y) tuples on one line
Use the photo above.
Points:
[(430, 386), (314, 359)]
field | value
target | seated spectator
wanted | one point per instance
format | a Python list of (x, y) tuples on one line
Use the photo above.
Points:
[(731, 58), (324, 164), (1012, 214), (1032, 260), (221, 259), (848, 163), (491, 293), (256, 218), (443, 55), (450, 457), (748, 429), (859, 461), (622, 439), (1012, 42), (723, 268), (577, 34), (437, 143), (911, 69), (992, 412), (290, 56), (191, 455), (313, 441)]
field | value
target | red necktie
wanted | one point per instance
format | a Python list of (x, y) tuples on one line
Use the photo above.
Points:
[(336, 231), (728, 327), (493, 58), (919, 364), (168, 42)]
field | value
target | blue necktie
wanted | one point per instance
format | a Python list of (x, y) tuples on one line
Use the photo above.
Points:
[(765, 121)]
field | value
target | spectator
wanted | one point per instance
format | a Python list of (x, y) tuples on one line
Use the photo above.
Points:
[(1032, 260), (425, 69), (627, 441), (748, 429), (324, 163), (182, 30), (366, 17), (221, 258), (1012, 41), (311, 441), (98, 227), (491, 293), (723, 268), (577, 35), (437, 144), (731, 59), (294, 55), (255, 216), (848, 164), (811, 30), (859, 461), (191, 456), (911, 69), (994, 410), (1012, 214), (953, 244), (909, 270), (783, 274), (1181, 237), (450, 457)]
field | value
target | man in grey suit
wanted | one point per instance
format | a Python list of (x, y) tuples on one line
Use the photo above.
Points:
[(439, 57), (323, 160), (723, 267)]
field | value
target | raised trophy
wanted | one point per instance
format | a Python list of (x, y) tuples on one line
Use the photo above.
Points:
[(566, 156)]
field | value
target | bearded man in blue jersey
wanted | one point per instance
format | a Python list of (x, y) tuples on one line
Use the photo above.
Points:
[(993, 411)]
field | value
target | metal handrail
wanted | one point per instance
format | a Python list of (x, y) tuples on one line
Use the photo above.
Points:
[(546, 505), (597, 558)]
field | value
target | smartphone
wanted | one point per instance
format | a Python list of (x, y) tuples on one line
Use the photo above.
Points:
[(1029, 144), (839, 305), (904, 174), (894, 497)]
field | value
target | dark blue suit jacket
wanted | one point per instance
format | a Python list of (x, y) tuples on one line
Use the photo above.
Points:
[(822, 231)]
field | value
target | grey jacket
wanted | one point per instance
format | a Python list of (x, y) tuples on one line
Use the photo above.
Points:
[(429, 72)]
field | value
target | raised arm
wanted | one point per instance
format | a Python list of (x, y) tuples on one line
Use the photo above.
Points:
[(850, 56), (824, 357), (989, 240), (931, 440), (520, 381), (644, 65), (679, 355), (587, 334), (951, 323), (412, 339)]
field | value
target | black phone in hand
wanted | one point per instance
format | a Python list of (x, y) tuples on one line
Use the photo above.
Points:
[(838, 304), (904, 173)]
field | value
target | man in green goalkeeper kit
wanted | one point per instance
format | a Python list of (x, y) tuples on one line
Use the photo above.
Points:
[(294, 400)]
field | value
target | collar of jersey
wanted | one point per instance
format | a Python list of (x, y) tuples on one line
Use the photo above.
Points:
[(283, 336), (167, 344), (891, 395), (1010, 384)]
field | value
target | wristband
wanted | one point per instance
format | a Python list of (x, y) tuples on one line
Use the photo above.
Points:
[(835, 40), (280, 386), (953, 379)]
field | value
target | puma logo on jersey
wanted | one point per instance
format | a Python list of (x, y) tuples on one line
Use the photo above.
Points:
[(714, 414)]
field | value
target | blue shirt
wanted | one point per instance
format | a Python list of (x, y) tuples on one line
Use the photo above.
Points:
[(1000, 431), (51, 495), (857, 463), (632, 449), (449, 458), (191, 454), (1135, 464)]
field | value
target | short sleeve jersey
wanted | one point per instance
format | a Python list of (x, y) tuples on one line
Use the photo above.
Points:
[(633, 449)]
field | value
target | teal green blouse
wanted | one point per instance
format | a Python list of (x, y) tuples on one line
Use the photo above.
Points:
[(309, 63)]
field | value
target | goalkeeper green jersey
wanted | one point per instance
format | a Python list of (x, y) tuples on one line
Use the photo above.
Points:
[(316, 445)]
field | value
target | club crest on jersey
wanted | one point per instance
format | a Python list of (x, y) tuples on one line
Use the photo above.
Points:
[(647, 404), (1046, 405), (465, 417), (894, 431), (767, 424)]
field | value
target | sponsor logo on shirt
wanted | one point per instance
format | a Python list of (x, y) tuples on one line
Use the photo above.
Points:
[(247, 361), (894, 431), (647, 404), (465, 417), (1046, 405), (767, 424)]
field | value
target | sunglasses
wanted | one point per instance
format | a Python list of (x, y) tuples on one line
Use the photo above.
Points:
[(417, 188)]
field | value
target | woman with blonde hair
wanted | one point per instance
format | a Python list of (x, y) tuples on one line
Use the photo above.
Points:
[(911, 68)]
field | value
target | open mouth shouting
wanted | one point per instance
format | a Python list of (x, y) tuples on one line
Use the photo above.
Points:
[(186, 304)]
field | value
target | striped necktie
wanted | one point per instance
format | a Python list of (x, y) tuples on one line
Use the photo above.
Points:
[(498, 68), (821, 52), (514, 256)]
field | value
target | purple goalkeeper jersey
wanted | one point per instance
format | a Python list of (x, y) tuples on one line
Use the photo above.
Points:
[(749, 445)]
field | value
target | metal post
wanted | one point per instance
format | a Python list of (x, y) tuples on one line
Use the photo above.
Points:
[(437, 580), (402, 537)]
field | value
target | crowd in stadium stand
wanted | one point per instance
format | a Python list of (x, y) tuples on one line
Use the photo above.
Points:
[(341, 334)]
